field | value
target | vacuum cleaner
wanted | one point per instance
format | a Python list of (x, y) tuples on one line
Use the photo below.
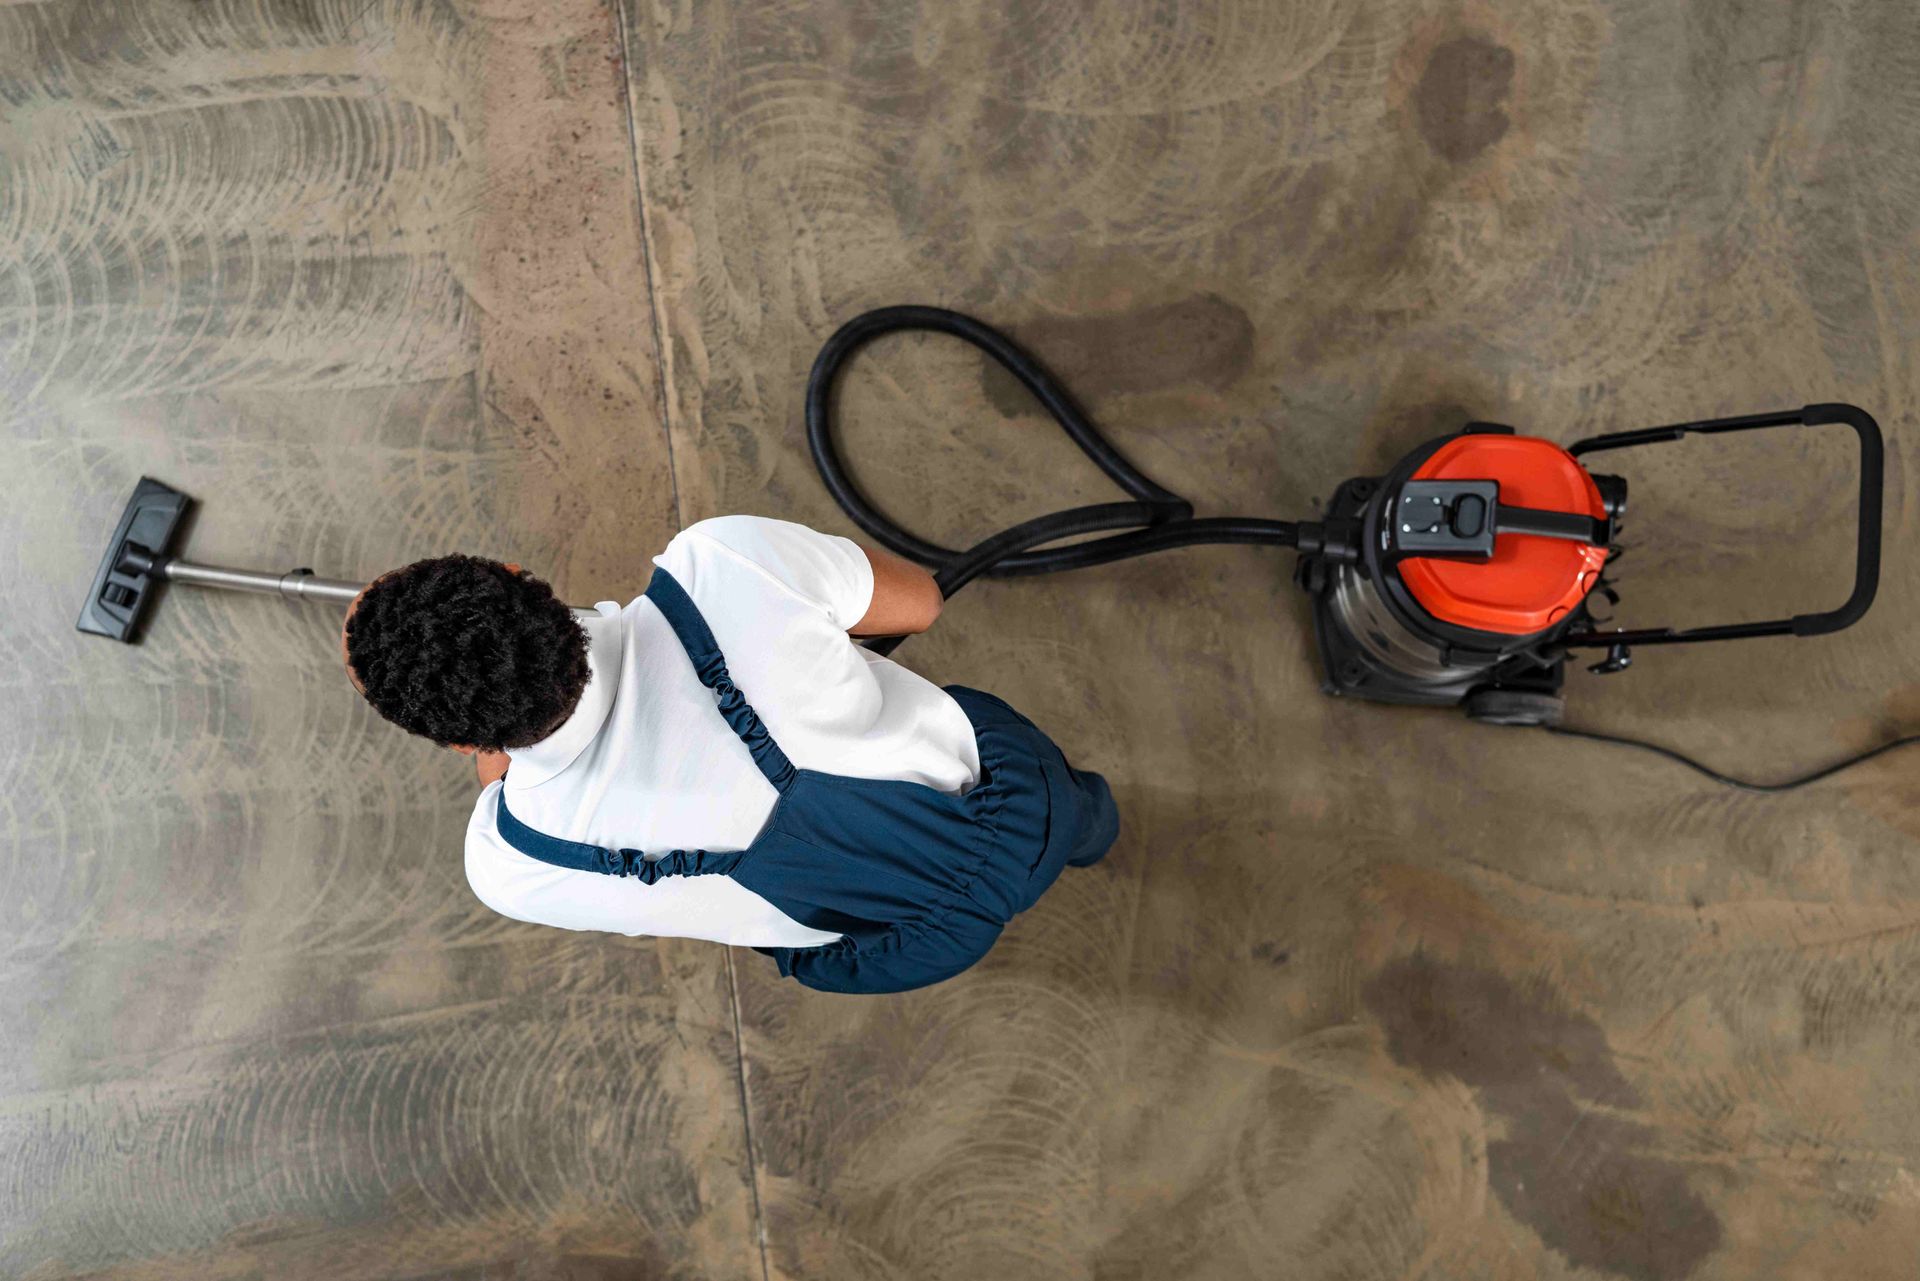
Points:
[(1461, 577)]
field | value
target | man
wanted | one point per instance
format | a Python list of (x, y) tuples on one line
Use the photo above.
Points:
[(720, 760)]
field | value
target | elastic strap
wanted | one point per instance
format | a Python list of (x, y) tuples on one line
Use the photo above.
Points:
[(581, 857), (710, 666)]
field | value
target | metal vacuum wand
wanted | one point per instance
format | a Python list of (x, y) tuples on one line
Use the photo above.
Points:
[(137, 562), (295, 584)]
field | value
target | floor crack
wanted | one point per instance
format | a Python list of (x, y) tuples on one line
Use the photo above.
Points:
[(746, 1115), (661, 365), (661, 357)]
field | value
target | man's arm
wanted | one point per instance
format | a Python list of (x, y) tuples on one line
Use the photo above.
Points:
[(833, 573), (905, 599)]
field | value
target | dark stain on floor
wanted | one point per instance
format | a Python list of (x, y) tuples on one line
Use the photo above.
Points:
[(1568, 1165), (563, 1267), (1128, 352), (1461, 99)]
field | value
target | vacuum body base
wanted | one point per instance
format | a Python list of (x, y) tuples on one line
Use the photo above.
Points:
[(1367, 651)]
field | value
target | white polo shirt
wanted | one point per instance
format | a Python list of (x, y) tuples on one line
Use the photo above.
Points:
[(646, 762)]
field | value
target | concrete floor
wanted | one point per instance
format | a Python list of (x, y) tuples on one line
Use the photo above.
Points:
[(1363, 992)]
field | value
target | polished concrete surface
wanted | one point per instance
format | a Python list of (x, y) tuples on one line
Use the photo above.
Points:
[(1362, 992)]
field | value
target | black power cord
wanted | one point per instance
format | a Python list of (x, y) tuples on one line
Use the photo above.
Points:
[(1727, 780), (1156, 520)]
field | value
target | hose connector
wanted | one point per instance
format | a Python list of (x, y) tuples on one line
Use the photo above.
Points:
[(1334, 540)]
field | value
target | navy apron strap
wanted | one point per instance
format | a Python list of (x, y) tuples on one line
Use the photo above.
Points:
[(710, 666), (582, 857)]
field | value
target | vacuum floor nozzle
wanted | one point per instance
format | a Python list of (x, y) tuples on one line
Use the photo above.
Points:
[(142, 555), (131, 570)]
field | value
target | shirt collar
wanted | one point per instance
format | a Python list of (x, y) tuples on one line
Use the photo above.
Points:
[(606, 646)]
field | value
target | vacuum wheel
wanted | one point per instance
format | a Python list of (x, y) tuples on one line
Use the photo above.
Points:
[(1515, 707)]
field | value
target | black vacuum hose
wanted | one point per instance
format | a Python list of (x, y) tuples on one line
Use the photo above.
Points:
[(1157, 520)]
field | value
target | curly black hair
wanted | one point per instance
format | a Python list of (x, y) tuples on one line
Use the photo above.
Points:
[(466, 651)]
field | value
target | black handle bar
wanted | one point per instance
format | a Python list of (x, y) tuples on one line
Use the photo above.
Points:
[(1866, 572)]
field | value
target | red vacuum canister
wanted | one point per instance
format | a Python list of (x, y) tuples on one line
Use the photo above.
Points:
[(1464, 575), (1528, 583)]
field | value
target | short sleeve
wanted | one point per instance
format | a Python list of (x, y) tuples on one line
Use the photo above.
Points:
[(827, 571)]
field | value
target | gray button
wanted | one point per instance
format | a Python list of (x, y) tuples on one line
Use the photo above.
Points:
[(1469, 516)]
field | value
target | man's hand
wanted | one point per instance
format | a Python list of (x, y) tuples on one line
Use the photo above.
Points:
[(491, 765)]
